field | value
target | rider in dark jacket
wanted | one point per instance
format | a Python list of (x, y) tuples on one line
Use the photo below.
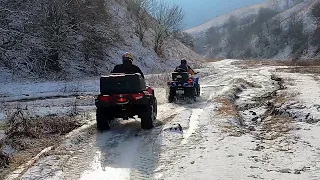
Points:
[(183, 67), (127, 66)]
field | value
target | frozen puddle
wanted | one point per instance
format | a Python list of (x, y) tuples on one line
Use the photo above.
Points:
[(117, 166), (107, 173)]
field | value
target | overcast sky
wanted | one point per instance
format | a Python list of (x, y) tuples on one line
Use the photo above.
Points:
[(200, 11)]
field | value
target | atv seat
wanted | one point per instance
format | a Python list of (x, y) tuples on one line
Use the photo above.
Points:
[(122, 83), (180, 76)]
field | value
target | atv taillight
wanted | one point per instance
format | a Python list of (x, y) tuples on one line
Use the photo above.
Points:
[(137, 96), (104, 98), (122, 100)]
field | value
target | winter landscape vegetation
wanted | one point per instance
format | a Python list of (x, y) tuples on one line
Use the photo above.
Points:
[(258, 115)]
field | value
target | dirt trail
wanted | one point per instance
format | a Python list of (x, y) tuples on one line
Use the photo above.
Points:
[(241, 128)]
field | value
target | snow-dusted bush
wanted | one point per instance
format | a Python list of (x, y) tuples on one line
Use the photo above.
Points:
[(316, 34), (185, 38), (4, 160), (316, 10), (140, 11), (296, 37), (19, 123), (42, 37)]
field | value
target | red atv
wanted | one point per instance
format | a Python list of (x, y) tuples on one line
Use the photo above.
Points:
[(124, 96)]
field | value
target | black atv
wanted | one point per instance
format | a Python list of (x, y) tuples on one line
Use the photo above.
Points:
[(124, 96), (183, 87)]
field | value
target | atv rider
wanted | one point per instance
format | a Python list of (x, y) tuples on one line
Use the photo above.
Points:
[(127, 67), (184, 67)]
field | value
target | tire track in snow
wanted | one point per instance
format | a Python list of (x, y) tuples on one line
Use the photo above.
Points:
[(113, 161), (151, 150), (120, 154), (146, 159), (124, 152), (193, 124), (169, 159), (105, 155)]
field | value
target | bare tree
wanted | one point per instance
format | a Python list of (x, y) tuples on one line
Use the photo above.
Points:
[(140, 10), (185, 38), (169, 20)]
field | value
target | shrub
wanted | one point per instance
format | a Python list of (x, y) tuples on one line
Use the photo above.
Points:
[(20, 124), (185, 38), (316, 10)]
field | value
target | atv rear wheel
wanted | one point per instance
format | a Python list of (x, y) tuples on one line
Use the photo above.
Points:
[(148, 117), (103, 119), (171, 95), (155, 108), (198, 90), (171, 99)]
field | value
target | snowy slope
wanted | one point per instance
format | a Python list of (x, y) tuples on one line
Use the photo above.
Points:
[(283, 29), (241, 13), (20, 60), (220, 20)]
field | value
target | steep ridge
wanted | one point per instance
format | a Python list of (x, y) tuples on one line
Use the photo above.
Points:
[(281, 29)]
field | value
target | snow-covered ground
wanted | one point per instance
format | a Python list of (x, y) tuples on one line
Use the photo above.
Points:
[(56, 97), (231, 132)]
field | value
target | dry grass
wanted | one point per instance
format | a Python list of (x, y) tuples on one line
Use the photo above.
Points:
[(2, 126), (277, 123), (232, 130), (275, 127), (27, 148), (245, 64), (20, 124), (301, 69), (302, 63), (28, 135), (259, 63), (226, 108), (284, 96), (304, 67), (213, 60)]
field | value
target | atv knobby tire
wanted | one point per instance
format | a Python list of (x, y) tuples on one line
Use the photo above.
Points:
[(155, 108), (198, 90), (148, 117), (103, 120)]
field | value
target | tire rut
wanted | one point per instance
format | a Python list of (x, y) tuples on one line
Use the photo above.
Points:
[(148, 151)]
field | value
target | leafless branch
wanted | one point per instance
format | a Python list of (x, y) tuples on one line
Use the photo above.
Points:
[(169, 20)]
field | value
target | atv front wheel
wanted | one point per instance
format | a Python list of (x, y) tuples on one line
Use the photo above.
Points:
[(148, 117), (103, 120)]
